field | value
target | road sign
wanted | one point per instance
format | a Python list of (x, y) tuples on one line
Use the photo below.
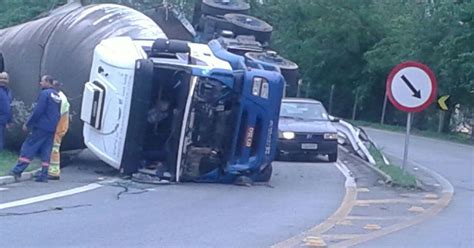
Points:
[(443, 102), (411, 86)]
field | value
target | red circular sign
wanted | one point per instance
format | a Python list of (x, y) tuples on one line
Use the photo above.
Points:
[(411, 86)]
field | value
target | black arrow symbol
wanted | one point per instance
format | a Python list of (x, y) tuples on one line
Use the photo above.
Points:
[(416, 93)]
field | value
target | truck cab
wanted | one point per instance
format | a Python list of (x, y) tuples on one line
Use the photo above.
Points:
[(220, 120)]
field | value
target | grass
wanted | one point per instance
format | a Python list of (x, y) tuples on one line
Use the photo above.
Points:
[(399, 178), (454, 137), (8, 160)]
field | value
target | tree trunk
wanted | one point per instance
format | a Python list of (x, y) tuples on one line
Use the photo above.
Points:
[(441, 121), (446, 120), (356, 101)]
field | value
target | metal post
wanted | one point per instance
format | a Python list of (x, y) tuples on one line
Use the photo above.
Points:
[(407, 142), (300, 83), (331, 95), (382, 119), (356, 100), (306, 93)]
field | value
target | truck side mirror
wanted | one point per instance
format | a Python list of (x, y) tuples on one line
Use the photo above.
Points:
[(2, 63)]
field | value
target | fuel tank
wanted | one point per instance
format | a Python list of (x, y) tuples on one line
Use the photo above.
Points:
[(61, 44)]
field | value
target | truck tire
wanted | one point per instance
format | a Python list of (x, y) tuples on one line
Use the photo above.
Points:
[(266, 174), (219, 8), (2, 63), (332, 157), (249, 25), (212, 24)]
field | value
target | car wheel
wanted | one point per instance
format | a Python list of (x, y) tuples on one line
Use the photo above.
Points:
[(266, 174), (332, 157)]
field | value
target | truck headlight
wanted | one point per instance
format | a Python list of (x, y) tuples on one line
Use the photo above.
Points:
[(256, 85), (265, 89), (330, 136), (260, 87), (286, 135)]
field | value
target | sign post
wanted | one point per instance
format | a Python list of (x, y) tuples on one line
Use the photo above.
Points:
[(411, 87), (407, 141)]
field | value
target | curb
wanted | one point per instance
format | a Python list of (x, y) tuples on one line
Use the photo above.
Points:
[(446, 186), (386, 178), (25, 176)]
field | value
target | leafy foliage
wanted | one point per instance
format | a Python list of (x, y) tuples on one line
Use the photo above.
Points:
[(355, 43), (351, 44), (13, 12)]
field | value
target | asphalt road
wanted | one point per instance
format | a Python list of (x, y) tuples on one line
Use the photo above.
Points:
[(300, 196), (453, 227)]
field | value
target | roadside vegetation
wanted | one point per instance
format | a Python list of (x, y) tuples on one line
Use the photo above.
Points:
[(350, 46), (8, 160), (400, 178)]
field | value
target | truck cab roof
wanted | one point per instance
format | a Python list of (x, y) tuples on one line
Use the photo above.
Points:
[(123, 52), (199, 56)]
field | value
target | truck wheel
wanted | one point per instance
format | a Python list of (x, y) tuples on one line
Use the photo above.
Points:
[(266, 174), (332, 157), (218, 7), (2, 63), (249, 25), (212, 24)]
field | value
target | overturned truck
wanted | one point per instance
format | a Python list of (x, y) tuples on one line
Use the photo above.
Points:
[(116, 63)]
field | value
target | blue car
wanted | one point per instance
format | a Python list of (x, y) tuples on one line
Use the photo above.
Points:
[(306, 130)]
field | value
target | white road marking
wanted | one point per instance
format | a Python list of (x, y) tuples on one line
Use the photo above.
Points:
[(3, 189), (51, 196), (350, 182)]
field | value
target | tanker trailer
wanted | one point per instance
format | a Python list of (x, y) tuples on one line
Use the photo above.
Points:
[(224, 115), (62, 45)]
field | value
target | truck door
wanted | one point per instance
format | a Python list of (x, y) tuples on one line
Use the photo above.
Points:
[(140, 102)]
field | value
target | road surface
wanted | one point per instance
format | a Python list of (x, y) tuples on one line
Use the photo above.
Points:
[(453, 227), (300, 196)]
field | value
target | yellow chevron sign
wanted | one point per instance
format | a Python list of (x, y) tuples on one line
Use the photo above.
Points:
[(442, 102)]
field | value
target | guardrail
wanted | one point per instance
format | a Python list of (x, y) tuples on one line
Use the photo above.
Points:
[(354, 137)]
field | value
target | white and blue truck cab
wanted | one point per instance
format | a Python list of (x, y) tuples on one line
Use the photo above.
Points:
[(223, 115)]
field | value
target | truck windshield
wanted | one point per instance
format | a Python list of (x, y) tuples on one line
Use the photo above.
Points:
[(209, 128)]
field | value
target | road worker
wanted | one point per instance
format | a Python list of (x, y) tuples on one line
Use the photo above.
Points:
[(42, 126), (5, 107)]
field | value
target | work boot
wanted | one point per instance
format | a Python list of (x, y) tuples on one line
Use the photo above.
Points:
[(43, 176), (37, 174), (15, 175), (18, 170), (54, 171), (52, 177)]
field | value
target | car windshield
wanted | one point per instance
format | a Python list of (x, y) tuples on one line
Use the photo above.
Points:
[(303, 111)]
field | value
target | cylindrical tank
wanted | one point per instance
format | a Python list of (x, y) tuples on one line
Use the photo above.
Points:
[(62, 45)]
